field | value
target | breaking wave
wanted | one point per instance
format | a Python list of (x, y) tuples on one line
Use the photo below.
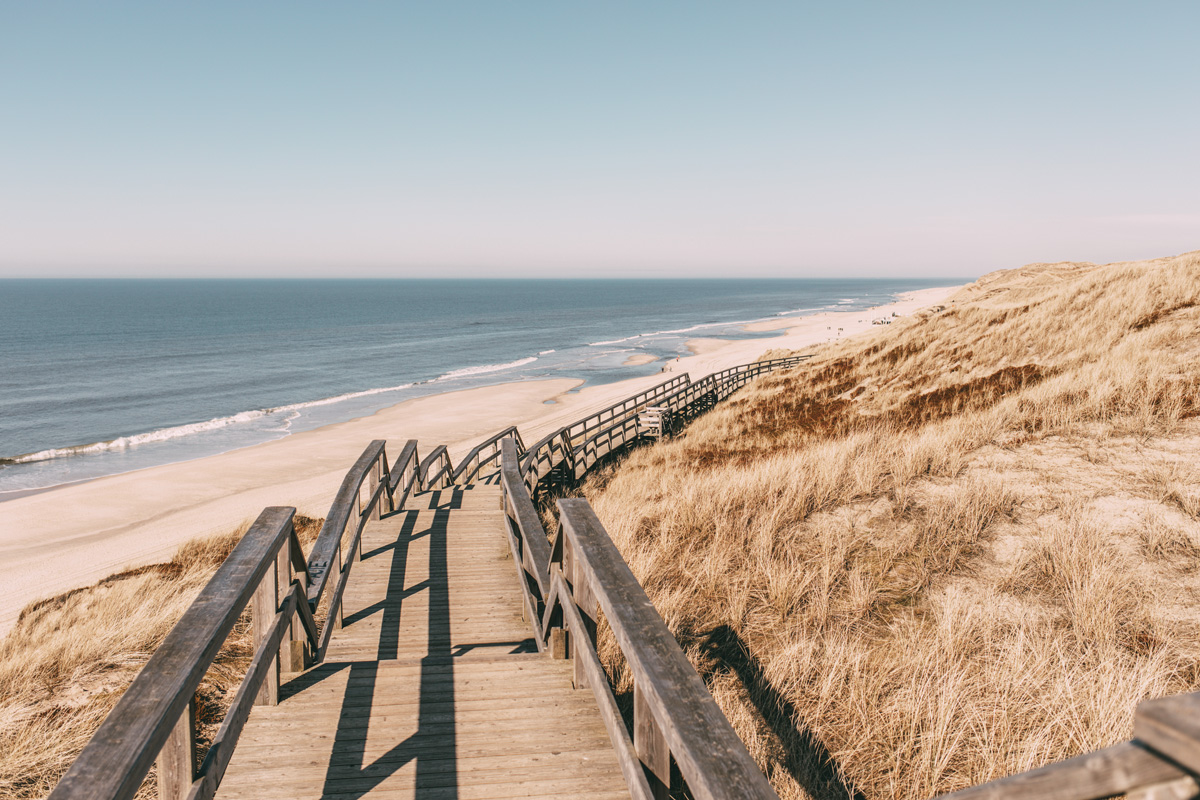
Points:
[(674, 330), (483, 370), (191, 429)]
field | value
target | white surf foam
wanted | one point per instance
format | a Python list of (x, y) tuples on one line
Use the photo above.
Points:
[(292, 410), (673, 330), (483, 369), (191, 429)]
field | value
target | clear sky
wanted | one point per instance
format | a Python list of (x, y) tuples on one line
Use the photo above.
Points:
[(607, 138)]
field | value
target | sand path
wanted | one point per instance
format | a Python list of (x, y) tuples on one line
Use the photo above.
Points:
[(74, 535)]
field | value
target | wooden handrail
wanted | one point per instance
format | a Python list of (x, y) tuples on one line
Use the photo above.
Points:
[(623, 408), (407, 463), (559, 441), (155, 707), (327, 549), (681, 400), (439, 478), (534, 552), (472, 463), (1115, 770), (675, 716)]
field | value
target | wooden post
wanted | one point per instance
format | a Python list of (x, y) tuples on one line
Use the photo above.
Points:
[(265, 606), (283, 584), (558, 643), (376, 476), (177, 759), (385, 476), (336, 617), (296, 656), (585, 601), (651, 747)]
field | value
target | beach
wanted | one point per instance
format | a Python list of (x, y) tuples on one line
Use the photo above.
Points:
[(76, 534)]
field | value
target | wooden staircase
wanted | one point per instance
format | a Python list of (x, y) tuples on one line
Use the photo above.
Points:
[(433, 687)]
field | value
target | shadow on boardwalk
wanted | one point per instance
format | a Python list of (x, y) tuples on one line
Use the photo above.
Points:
[(434, 726), (433, 688)]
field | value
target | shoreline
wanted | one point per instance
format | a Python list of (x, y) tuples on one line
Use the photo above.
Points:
[(73, 534)]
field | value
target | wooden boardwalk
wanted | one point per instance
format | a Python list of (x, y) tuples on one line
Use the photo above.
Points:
[(425, 680), (433, 688)]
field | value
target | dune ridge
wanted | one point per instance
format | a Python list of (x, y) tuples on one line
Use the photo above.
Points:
[(959, 548)]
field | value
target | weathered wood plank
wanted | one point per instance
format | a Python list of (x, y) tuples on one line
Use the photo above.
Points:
[(651, 746), (1171, 726), (177, 759), (1103, 773), (264, 607), (534, 546)]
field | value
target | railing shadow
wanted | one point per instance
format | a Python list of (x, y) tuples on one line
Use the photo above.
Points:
[(432, 746), (805, 758)]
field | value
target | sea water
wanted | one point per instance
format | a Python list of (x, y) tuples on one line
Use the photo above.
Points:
[(106, 376)]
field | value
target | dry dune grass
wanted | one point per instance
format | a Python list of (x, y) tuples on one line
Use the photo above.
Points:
[(69, 659), (958, 549)]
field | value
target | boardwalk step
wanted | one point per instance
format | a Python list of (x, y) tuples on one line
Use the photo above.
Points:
[(433, 687)]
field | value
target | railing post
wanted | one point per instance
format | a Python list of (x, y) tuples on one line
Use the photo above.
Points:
[(177, 759), (376, 479), (651, 746), (558, 643), (358, 551), (264, 607), (297, 641), (585, 601), (385, 475), (335, 617)]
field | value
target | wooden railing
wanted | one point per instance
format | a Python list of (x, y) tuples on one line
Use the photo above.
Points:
[(331, 553), (1162, 762), (437, 470), (155, 717), (566, 455), (526, 538), (556, 448), (565, 588), (484, 454), (674, 716)]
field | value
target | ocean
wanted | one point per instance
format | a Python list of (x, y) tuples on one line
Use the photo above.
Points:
[(105, 376)]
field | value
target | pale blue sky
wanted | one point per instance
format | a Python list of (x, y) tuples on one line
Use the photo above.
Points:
[(616, 138)]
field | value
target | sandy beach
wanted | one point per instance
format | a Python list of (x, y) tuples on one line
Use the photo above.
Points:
[(76, 534)]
